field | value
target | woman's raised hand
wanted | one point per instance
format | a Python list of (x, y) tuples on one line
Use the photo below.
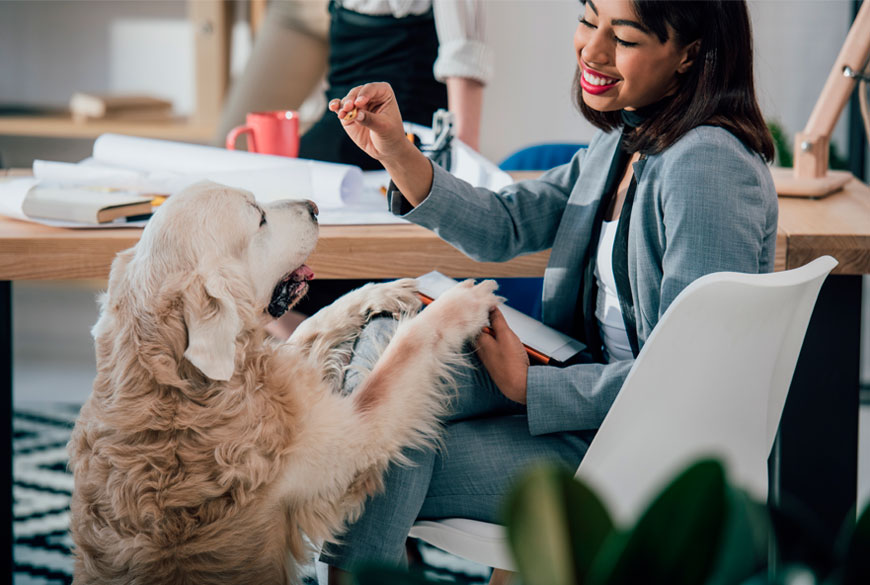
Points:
[(371, 117)]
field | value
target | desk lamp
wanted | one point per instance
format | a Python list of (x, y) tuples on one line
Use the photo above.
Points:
[(811, 176)]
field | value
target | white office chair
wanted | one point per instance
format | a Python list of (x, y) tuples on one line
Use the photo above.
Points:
[(711, 380)]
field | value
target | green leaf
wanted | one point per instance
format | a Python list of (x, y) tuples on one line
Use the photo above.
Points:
[(856, 569), (781, 143), (745, 540), (676, 541), (556, 526)]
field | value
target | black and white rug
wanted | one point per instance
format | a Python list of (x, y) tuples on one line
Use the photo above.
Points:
[(43, 486), (42, 489)]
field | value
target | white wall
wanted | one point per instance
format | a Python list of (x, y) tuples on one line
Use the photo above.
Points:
[(529, 100), (50, 48)]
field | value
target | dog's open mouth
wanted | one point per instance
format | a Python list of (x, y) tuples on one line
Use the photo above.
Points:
[(291, 288)]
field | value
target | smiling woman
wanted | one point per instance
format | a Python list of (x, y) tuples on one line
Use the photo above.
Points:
[(632, 54), (623, 63), (675, 186)]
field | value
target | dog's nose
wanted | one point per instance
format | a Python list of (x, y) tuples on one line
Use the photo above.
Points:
[(312, 208)]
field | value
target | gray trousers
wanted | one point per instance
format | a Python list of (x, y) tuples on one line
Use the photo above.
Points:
[(486, 445)]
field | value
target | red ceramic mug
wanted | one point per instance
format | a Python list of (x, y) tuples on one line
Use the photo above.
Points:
[(274, 132)]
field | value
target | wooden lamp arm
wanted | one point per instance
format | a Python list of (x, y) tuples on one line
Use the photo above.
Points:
[(811, 145)]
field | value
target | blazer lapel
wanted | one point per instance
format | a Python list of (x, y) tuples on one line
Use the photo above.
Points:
[(562, 278)]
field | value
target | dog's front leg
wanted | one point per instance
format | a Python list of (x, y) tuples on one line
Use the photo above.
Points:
[(406, 385), (327, 336), (350, 440)]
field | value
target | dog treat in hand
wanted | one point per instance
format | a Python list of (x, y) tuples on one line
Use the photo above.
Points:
[(350, 115)]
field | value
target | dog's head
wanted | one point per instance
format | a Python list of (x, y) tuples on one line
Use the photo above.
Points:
[(225, 258)]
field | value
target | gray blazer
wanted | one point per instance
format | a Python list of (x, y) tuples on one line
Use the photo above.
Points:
[(705, 204)]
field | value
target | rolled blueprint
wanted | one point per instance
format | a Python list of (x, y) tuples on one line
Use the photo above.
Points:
[(269, 177)]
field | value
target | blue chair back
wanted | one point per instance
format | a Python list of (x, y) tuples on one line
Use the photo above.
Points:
[(540, 157)]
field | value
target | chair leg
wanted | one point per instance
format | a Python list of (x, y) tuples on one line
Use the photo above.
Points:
[(501, 577)]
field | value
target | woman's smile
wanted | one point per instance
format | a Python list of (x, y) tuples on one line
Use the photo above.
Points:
[(595, 82), (643, 68)]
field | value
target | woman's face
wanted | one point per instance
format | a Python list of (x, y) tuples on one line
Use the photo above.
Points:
[(623, 64)]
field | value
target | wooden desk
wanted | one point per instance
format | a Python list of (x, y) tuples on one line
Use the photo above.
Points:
[(817, 454), (30, 251), (838, 225)]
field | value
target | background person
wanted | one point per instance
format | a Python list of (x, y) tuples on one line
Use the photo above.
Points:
[(432, 53)]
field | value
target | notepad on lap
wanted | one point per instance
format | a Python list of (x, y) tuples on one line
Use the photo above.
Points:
[(550, 345), (83, 205)]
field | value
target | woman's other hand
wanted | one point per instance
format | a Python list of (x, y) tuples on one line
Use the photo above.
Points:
[(504, 357)]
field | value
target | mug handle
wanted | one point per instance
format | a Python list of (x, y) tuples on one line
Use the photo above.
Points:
[(234, 134)]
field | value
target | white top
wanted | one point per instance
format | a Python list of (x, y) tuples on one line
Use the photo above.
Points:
[(462, 51), (607, 309)]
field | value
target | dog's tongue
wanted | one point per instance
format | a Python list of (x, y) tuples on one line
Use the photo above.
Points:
[(302, 273)]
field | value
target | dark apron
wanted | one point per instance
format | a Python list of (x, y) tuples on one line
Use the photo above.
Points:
[(363, 49)]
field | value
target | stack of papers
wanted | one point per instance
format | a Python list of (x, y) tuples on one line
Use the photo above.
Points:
[(344, 194)]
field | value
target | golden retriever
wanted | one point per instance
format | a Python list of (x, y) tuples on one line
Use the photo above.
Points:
[(208, 453)]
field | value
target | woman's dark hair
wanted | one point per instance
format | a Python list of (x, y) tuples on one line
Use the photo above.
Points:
[(717, 90)]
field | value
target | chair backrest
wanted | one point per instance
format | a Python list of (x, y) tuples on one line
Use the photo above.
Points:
[(711, 380), (540, 157)]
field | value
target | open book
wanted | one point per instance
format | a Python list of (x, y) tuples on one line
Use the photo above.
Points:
[(543, 343), (84, 205)]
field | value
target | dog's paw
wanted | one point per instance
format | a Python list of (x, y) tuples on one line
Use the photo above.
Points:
[(398, 297), (466, 306)]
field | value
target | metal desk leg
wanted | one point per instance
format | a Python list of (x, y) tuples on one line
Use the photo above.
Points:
[(818, 455), (6, 424)]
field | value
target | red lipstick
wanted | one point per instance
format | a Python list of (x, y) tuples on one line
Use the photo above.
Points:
[(595, 89)]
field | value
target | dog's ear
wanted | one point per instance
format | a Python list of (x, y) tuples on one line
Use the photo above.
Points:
[(213, 323), (116, 280)]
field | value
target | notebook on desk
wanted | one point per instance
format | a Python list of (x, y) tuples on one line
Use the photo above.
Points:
[(85, 205)]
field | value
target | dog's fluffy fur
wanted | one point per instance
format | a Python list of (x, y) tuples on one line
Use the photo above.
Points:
[(206, 453)]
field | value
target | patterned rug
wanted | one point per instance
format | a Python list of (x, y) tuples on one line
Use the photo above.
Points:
[(42, 489), (43, 486)]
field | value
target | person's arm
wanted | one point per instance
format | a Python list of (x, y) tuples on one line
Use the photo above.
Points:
[(521, 218), (720, 211), (464, 63), (489, 226), (465, 100)]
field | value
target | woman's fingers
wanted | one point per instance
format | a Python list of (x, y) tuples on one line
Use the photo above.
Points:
[(369, 97), (497, 321), (373, 94), (370, 116)]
